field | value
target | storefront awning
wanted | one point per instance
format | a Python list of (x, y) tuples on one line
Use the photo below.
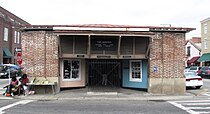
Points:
[(7, 53), (204, 57), (193, 60)]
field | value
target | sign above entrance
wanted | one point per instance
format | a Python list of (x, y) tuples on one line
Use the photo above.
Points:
[(107, 44)]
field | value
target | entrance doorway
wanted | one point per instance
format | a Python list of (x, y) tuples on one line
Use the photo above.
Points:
[(104, 75)]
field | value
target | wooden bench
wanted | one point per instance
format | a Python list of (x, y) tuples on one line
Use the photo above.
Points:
[(31, 85)]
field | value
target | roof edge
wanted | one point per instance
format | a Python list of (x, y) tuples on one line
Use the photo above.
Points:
[(109, 27), (207, 19)]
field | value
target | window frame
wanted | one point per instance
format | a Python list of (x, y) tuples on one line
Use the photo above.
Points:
[(130, 76), (18, 37), (205, 28), (71, 79), (206, 43), (6, 34), (15, 36)]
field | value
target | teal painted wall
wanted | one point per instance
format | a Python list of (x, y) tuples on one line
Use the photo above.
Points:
[(126, 73)]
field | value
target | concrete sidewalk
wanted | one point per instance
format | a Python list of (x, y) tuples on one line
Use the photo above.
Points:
[(124, 94)]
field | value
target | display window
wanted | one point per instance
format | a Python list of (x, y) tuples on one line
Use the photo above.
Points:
[(136, 70), (71, 70)]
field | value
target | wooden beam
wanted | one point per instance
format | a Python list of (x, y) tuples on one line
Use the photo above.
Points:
[(148, 49), (89, 44), (134, 45), (59, 46), (119, 42)]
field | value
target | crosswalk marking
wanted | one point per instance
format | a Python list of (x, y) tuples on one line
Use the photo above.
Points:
[(193, 106), (202, 112), (206, 94), (196, 104), (191, 101), (14, 104), (182, 107), (198, 107)]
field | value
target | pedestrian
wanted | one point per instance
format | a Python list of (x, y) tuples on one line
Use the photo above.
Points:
[(23, 87), (12, 88)]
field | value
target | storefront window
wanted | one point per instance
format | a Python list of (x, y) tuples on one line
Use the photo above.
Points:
[(71, 70), (136, 70)]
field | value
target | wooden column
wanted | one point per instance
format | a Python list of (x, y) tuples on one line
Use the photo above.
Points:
[(119, 42)]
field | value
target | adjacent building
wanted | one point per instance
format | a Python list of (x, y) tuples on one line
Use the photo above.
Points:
[(10, 35), (106, 57), (205, 40), (193, 51)]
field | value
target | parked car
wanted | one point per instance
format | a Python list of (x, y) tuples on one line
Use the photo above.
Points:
[(6, 71), (194, 69), (204, 72), (186, 69), (193, 80), (13, 66)]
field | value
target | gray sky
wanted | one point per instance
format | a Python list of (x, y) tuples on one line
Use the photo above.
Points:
[(178, 13)]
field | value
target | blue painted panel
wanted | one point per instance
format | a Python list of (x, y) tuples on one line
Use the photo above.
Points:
[(126, 73)]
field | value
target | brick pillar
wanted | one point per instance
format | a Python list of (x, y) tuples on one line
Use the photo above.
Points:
[(40, 54), (167, 54)]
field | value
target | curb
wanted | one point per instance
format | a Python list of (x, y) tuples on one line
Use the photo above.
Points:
[(90, 97)]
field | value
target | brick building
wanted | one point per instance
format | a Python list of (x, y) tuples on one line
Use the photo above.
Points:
[(10, 37), (107, 57)]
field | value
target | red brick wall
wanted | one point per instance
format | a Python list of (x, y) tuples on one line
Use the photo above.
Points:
[(167, 54), (40, 53)]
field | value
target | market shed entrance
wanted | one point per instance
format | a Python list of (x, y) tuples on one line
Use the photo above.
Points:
[(104, 75)]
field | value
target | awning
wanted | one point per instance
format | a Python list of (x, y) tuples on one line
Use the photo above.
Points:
[(204, 57), (193, 60), (7, 53)]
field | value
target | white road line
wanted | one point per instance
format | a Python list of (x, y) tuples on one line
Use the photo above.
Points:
[(203, 112), (206, 94), (196, 104), (14, 104), (6, 98), (198, 107), (191, 101), (183, 105), (183, 108)]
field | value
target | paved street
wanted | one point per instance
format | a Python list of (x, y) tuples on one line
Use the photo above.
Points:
[(199, 102), (197, 105), (91, 107)]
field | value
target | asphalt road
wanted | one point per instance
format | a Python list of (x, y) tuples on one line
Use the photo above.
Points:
[(199, 103), (93, 107), (206, 84)]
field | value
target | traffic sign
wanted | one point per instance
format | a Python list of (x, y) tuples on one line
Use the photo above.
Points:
[(19, 58)]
